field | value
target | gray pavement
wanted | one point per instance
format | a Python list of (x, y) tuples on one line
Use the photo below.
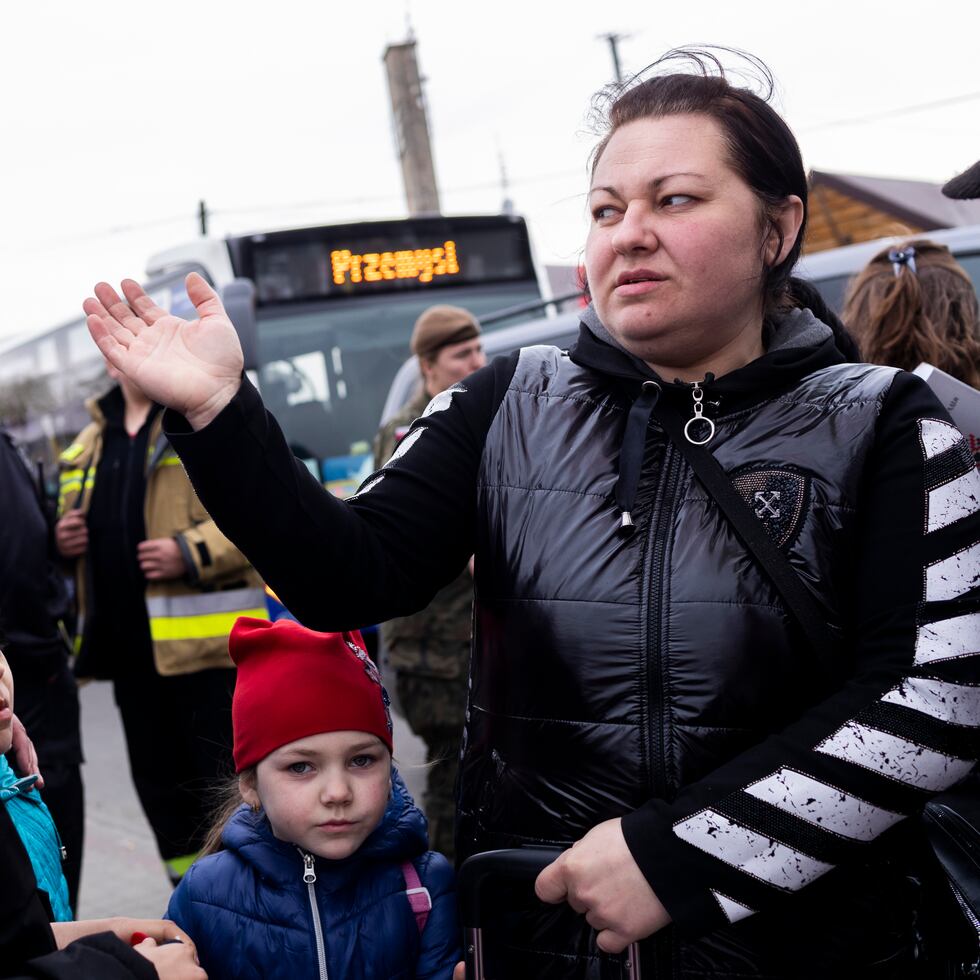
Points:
[(121, 871)]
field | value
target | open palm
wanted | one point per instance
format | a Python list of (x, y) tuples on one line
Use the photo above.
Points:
[(192, 366)]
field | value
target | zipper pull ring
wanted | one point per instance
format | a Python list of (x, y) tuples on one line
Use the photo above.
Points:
[(705, 424), (309, 874)]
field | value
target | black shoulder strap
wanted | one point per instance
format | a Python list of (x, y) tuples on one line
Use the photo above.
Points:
[(754, 536)]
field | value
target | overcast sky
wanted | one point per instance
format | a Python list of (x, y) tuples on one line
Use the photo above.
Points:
[(117, 117)]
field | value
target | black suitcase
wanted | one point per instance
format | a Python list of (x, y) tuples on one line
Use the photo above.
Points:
[(515, 864)]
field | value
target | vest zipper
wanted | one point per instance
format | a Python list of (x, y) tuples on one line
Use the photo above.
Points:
[(309, 878), (660, 947), (699, 430), (658, 534)]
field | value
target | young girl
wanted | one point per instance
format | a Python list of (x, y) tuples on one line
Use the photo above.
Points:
[(325, 870)]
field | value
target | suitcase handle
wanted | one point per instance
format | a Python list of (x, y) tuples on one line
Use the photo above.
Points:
[(515, 864)]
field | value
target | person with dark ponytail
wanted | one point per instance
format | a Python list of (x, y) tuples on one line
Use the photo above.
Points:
[(914, 302), (731, 795)]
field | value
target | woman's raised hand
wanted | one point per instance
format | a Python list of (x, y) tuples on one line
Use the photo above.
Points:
[(193, 367)]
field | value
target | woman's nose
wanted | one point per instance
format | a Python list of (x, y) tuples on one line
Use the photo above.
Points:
[(635, 231)]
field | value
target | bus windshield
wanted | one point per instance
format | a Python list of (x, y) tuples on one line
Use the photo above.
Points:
[(335, 308), (324, 372)]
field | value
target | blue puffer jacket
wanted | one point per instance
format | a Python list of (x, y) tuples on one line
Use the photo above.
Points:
[(250, 912)]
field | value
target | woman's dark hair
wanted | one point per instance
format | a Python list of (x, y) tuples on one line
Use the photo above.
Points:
[(903, 314), (762, 149)]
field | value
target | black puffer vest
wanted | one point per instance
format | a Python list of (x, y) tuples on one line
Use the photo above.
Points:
[(612, 669)]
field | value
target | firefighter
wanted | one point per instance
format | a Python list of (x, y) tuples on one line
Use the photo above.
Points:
[(158, 588)]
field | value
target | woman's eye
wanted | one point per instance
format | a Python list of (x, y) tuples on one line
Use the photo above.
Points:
[(673, 200), (362, 761), (300, 768), (601, 213)]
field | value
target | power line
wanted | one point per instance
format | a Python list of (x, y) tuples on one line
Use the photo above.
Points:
[(190, 217), (891, 113)]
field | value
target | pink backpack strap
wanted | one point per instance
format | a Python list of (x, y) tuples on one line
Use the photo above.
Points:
[(418, 895)]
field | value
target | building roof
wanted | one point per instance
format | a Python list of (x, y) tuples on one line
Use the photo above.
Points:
[(916, 202)]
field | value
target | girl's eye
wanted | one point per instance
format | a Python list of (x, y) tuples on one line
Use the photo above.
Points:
[(362, 761), (300, 768)]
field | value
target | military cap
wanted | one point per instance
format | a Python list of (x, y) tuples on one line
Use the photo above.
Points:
[(441, 325)]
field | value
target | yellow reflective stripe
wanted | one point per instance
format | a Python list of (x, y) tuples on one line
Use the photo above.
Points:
[(74, 486), (202, 627), (72, 452), (69, 485), (76, 644), (178, 866), (169, 461), (72, 475)]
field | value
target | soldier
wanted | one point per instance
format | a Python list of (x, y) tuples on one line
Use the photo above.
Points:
[(429, 651)]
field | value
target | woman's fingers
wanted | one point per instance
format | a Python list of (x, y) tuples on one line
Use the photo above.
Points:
[(610, 941), (137, 298), (204, 298), (93, 307), (113, 351), (119, 310)]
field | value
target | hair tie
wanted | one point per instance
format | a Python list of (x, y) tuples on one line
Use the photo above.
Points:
[(901, 257)]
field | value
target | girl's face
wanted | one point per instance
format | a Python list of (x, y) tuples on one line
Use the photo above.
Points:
[(676, 245), (325, 793), (6, 706)]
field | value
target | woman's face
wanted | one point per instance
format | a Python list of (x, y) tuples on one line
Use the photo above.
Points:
[(675, 251)]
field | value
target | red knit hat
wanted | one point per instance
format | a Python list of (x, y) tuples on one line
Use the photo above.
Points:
[(293, 682)]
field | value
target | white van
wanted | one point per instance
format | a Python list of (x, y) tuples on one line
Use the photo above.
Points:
[(831, 271)]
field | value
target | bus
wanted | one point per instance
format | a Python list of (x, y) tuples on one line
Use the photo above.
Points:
[(324, 314)]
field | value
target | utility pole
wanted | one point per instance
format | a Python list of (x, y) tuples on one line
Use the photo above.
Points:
[(202, 215), (411, 128), (507, 204), (614, 40)]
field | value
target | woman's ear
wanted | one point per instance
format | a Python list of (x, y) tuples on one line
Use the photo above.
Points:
[(246, 786), (783, 230)]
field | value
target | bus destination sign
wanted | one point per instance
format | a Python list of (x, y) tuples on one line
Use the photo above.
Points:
[(380, 257), (421, 264)]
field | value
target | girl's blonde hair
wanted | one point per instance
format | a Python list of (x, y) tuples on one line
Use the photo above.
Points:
[(228, 798), (902, 314)]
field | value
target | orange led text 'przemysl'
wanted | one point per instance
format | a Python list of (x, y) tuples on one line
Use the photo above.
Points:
[(423, 264)]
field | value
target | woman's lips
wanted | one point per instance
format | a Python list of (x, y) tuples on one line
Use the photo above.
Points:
[(639, 287)]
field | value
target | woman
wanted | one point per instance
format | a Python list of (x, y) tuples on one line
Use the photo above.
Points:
[(913, 303), (637, 686)]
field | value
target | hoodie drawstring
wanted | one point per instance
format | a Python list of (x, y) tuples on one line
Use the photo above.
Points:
[(631, 454)]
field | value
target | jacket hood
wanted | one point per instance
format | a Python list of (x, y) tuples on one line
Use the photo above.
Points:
[(796, 342), (401, 835)]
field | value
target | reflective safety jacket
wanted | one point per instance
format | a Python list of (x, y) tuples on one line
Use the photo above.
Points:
[(190, 617)]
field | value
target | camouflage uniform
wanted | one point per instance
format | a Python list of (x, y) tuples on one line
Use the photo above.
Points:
[(430, 653)]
